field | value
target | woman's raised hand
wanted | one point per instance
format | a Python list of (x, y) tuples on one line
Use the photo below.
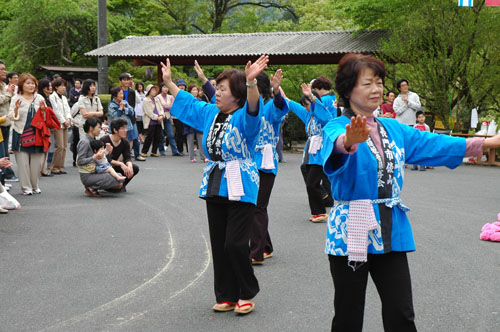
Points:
[(166, 71), (253, 70), (306, 90), (356, 132), (42, 105), (200, 73), (276, 80)]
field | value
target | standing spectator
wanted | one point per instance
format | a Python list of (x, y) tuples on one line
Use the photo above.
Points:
[(167, 101), (153, 121), (180, 138), (387, 109), (120, 157), (7, 91), (129, 96), (406, 104), (120, 108), (191, 132), (13, 78), (61, 109), (74, 92), (422, 126), (76, 117), (89, 104), (139, 98), (27, 112), (45, 90)]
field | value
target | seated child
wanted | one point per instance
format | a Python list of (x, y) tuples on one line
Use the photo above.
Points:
[(102, 165), (422, 126), (104, 127)]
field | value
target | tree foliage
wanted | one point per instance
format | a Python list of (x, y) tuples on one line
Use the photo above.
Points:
[(450, 54)]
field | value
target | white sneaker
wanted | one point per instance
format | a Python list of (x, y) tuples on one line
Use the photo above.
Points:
[(8, 185), (37, 191), (27, 192)]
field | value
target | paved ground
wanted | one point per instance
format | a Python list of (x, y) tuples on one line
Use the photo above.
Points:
[(140, 261)]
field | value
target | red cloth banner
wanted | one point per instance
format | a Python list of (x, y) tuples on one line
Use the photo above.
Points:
[(493, 3)]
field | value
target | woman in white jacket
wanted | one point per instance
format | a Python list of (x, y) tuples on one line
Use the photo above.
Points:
[(61, 109)]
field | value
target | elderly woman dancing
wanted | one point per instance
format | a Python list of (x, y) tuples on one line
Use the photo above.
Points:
[(231, 179), (368, 230)]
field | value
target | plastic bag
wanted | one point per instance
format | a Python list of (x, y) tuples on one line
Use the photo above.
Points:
[(492, 128), (8, 202)]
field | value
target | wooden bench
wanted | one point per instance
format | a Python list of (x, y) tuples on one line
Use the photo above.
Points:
[(491, 152)]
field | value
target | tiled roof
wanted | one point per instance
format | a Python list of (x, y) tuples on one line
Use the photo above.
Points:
[(244, 44)]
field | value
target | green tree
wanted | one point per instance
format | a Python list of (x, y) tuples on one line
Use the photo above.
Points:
[(450, 54)]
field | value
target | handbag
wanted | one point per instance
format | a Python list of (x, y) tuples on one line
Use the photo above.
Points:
[(28, 137)]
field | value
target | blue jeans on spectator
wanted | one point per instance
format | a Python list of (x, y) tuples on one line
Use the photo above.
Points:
[(169, 132), (8, 172)]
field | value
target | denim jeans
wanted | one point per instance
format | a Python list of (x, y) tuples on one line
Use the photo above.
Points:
[(169, 132), (8, 172)]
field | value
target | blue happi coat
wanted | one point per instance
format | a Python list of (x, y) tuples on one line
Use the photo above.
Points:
[(330, 102), (239, 141), (354, 177), (314, 120), (269, 133)]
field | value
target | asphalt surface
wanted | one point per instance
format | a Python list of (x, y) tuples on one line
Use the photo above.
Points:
[(140, 261)]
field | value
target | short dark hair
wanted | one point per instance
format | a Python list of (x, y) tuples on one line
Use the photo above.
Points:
[(42, 84), (304, 100), (115, 91), (116, 124), (322, 82), (58, 82), (86, 86), (79, 80), (96, 144), (418, 113), (264, 86), (11, 74), (348, 71), (389, 92), (91, 123), (237, 85), (398, 84), (1, 62), (162, 84)]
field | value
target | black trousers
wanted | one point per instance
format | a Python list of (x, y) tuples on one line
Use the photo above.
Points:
[(180, 138), (260, 240), (326, 187), (119, 170), (153, 136), (76, 139), (230, 224), (313, 185), (391, 275)]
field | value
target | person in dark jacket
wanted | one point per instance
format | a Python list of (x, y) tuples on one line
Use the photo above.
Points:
[(129, 96)]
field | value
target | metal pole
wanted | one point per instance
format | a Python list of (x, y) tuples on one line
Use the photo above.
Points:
[(102, 40)]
